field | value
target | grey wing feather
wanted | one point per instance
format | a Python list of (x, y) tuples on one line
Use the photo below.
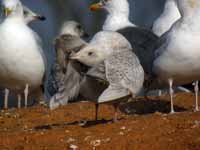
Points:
[(159, 44), (98, 72), (64, 44), (144, 45), (69, 90)]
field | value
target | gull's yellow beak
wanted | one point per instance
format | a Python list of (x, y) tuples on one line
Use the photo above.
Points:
[(7, 11), (96, 6)]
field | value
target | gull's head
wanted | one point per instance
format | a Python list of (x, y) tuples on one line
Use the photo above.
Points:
[(111, 6), (103, 45), (73, 28), (188, 7), (12, 7), (30, 16)]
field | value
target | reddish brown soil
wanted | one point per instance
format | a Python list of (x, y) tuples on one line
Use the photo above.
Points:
[(148, 126)]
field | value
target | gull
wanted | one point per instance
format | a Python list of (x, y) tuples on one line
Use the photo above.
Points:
[(142, 40), (66, 74), (123, 70), (22, 61), (176, 60), (168, 17), (72, 27), (164, 22)]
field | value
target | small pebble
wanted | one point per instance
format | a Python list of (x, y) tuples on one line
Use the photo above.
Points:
[(123, 128), (121, 133), (73, 147), (95, 143), (71, 140)]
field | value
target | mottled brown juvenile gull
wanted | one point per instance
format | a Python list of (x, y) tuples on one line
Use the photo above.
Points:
[(66, 73)]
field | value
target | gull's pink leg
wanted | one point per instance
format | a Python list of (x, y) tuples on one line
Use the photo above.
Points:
[(115, 113), (26, 95), (19, 97), (171, 92), (6, 98)]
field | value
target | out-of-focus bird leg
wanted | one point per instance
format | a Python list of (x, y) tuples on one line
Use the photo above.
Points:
[(159, 92), (96, 111), (6, 99), (116, 105), (196, 89), (19, 98), (26, 95), (171, 92)]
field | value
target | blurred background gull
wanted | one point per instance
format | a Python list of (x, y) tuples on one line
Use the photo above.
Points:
[(143, 13)]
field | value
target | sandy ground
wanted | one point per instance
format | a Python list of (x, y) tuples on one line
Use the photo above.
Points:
[(143, 125)]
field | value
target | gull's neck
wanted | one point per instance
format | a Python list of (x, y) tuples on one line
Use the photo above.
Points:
[(190, 15), (117, 19), (171, 9), (16, 18)]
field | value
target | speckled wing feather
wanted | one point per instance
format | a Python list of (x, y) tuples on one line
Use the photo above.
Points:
[(143, 43), (124, 74)]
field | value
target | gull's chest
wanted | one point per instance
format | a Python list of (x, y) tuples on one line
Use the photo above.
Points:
[(20, 60), (179, 58)]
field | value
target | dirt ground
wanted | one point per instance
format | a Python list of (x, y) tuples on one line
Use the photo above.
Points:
[(143, 125)]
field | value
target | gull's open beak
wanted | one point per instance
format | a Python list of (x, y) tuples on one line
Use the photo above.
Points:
[(7, 11), (96, 6), (39, 17)]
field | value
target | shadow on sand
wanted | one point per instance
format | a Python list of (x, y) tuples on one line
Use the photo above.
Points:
[(140, 107)]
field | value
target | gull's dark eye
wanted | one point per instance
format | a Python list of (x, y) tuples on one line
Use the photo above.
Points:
[(25, 12), (90, 53), (79, 27)]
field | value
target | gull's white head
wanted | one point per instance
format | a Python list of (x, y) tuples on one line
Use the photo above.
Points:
[(73, 28), (30, 16), (118, 16), (12, 8), (189, 7), (112, 6), (103, 44)]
